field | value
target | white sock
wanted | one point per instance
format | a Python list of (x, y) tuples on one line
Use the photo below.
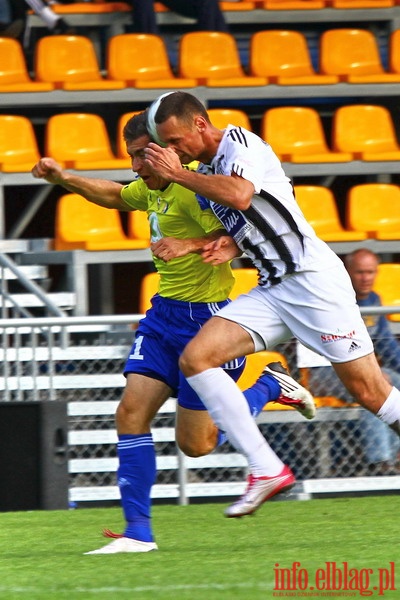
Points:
[(389, 412), (230, 412)]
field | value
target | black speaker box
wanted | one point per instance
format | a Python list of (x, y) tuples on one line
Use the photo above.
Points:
[(33, 455)]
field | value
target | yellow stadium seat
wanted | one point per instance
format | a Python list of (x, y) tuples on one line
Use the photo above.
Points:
[(283, 57), (95, 6), (387, 285), (367, 131), (245, 280), (375, 208), (148, 287), (353, 55), (296, 135), (222, 117), (318, 205), (18, 144), (70, 63), (360, 3), (291, 4), (14, 74), (238, 5), (394, 51), (141, 61), (212, 58), (80, 141), (83, 225)]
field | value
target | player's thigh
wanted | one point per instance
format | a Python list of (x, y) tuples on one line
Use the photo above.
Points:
[(364, 380), (141, 400), (218, 341)]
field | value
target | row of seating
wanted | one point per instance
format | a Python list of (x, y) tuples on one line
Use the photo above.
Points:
[(205, 58), (296, 133), (232, 5), (372, 211)]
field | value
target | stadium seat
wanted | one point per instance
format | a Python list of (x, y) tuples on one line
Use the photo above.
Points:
[(14, 74), (318, 205), (375, 208), (367, 131), (148, 287), (238, 5), (138, 226), (353, 55), (360, 3), (283, 57), (394, 51), (96, 6), (291, 4), (245, 280), (83, 225), (296, 135), (141, 61), (70, 63), (212, 58), (80, 141), (387, 285), (120, 143), (222, 117), (18, 144)]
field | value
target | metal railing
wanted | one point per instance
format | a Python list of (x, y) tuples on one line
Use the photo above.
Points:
[(80, 360)]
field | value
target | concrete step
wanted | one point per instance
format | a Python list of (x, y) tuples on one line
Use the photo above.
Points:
[(65, 300)]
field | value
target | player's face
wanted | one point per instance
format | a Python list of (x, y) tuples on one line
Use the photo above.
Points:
[(363, 272), (135, 150), (186, 140)]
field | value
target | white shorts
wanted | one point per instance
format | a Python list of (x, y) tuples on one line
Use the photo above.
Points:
[(317, 307)]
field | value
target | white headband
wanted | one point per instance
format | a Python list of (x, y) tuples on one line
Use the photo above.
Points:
[(151, 119)]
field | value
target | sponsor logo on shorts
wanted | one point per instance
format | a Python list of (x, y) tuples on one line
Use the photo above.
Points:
[(328, 338), (353, 347)]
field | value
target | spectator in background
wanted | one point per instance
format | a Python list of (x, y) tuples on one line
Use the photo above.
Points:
[(206, 12), (380, 443)]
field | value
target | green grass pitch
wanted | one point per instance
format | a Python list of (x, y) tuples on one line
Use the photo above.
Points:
[(202, 555)]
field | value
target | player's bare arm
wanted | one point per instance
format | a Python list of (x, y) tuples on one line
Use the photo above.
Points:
[(99, 191), (220, 251), (232, 190), (169, 247)]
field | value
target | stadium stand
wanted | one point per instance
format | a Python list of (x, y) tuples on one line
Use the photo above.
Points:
[(320, 209)]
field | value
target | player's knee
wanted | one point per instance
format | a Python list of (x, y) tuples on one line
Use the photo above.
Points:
[(196, 447), (131, 421)]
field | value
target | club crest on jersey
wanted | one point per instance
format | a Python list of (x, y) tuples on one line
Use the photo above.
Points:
[(162, 205)]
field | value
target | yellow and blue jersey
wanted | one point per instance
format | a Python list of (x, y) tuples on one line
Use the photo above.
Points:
[(175, 212)]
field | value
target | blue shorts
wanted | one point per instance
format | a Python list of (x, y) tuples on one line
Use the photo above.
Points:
[(160, 339)]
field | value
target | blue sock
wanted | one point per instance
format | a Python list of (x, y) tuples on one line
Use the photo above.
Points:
[(264, 390), (136, 475)]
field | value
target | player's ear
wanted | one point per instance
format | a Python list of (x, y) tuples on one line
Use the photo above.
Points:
[(200, 123)]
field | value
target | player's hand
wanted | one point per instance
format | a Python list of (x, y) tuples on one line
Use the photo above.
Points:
[(220, 251), (163, 161), (49, 169), (168, 248)]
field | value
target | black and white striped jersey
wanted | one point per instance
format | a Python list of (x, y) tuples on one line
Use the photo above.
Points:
[(273, 231)]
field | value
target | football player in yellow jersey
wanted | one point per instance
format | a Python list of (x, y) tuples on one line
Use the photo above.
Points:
[(191, 291)]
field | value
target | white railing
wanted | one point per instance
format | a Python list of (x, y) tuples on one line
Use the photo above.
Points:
[(80, 360)]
